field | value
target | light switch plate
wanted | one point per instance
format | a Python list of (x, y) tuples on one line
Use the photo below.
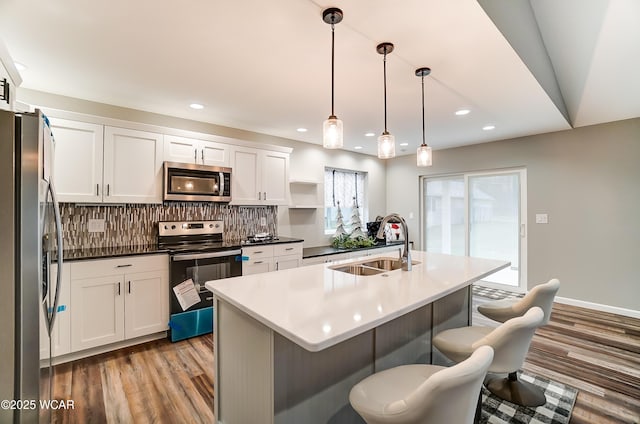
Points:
[(542, 218), (96, 225)]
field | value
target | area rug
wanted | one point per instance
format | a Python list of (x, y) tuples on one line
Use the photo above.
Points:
[(493, 294), (557, 410)]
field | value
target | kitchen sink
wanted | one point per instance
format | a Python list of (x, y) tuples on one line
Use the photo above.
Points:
[(387, 264), (358, 269), (371, 267)]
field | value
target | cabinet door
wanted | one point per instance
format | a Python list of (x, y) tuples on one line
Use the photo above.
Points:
[(213, 154), (180, 149), (275, 178), (97, 316), (61, 335), (146, 303), (245, 183), (287, 262), (78, 160), (132, 166)]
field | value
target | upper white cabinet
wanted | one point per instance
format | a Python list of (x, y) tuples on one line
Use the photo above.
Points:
[(132, 166), (96, 163), (190, 150), (78, 160), (260, 177)]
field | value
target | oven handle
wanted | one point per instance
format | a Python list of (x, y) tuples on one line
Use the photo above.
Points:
[(191, 256)]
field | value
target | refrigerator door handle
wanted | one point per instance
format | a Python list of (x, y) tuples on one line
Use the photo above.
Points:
[(58, 222)]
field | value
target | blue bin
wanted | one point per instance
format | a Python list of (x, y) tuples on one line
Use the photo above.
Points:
[(191, 323)]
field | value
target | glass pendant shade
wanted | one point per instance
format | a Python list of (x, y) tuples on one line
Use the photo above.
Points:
[(332, 133), (386, 146), (424, 155)]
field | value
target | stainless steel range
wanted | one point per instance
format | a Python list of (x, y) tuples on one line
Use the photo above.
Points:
[(197, 254)]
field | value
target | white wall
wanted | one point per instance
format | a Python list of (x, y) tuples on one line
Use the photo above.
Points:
[(586, 179)]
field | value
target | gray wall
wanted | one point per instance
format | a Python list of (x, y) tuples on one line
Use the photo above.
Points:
[(587, 180), (307, 160)]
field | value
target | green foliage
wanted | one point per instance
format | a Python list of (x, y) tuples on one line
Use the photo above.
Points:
[(346, 242)]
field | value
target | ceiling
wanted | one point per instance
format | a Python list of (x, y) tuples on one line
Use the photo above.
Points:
[(526, 66)]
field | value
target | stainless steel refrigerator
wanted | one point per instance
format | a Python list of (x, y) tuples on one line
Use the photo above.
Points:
[(30, 239)]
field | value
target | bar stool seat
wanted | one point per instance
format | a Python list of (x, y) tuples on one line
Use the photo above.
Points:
[(412, 394), (510, 341), (541, 295)]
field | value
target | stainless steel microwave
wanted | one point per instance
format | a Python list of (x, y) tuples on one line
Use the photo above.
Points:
[(196, 183)]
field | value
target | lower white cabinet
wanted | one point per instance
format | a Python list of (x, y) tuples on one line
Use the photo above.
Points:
[(61, 334), (117, 299), (266, 258)]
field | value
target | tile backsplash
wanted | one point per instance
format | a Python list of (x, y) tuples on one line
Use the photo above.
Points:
[(134, 224)]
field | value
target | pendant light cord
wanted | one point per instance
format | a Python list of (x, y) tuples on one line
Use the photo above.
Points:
[(424, 143), (333, 37), (384, 64)]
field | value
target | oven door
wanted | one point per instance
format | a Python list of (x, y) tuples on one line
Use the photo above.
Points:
[(200, 268)]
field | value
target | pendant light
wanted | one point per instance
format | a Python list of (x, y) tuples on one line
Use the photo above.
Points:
[(332, 127), (386, 142), (424, 152)]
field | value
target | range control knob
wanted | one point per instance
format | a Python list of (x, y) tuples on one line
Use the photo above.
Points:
[(173, 227), (211, 225)]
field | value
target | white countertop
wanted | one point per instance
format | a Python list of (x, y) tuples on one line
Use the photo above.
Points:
[(317, 307)]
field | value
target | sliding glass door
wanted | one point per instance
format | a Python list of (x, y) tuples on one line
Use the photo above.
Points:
[(480, 215)]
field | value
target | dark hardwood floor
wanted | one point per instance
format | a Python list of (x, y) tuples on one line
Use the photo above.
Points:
[(163, 382)]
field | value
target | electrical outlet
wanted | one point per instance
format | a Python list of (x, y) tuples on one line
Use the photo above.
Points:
[(263, 221), (542, 218), (96, 225)]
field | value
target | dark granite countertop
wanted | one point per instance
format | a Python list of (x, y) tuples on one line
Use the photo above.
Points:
[(111, 252), (147, 249), (312, 252)]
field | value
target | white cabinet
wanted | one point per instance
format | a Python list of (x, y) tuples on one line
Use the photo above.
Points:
[(274, 257), (61, 334), (190, 150), (260, 177), (117, 299), (9, 79), (132, 166), (78, 160), (95, 164)]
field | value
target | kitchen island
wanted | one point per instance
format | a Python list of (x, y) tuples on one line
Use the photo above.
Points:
[(289, 345)]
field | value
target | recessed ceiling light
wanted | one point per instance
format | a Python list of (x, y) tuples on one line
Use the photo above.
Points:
[(358, 147), (404, 144), (19, 66), (301, 129), (197, 106), (369, 134), (488, 127), (461, 112)]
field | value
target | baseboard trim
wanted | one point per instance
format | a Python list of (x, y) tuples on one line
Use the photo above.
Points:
[(598, 307), (101, 349)]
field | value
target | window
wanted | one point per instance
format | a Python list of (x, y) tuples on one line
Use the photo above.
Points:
[(347, 189)]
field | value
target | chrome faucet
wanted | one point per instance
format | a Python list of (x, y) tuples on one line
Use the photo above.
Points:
[(405, 256)]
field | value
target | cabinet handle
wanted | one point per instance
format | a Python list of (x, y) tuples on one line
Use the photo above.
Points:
[(107, 189), (257, 251), (129, 289), (258, 262), (118, 288), (97, 189), (195, 155), (289, 248), (277, 265), (202, 155), (123, 266), (259, 196), (265, 195)]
